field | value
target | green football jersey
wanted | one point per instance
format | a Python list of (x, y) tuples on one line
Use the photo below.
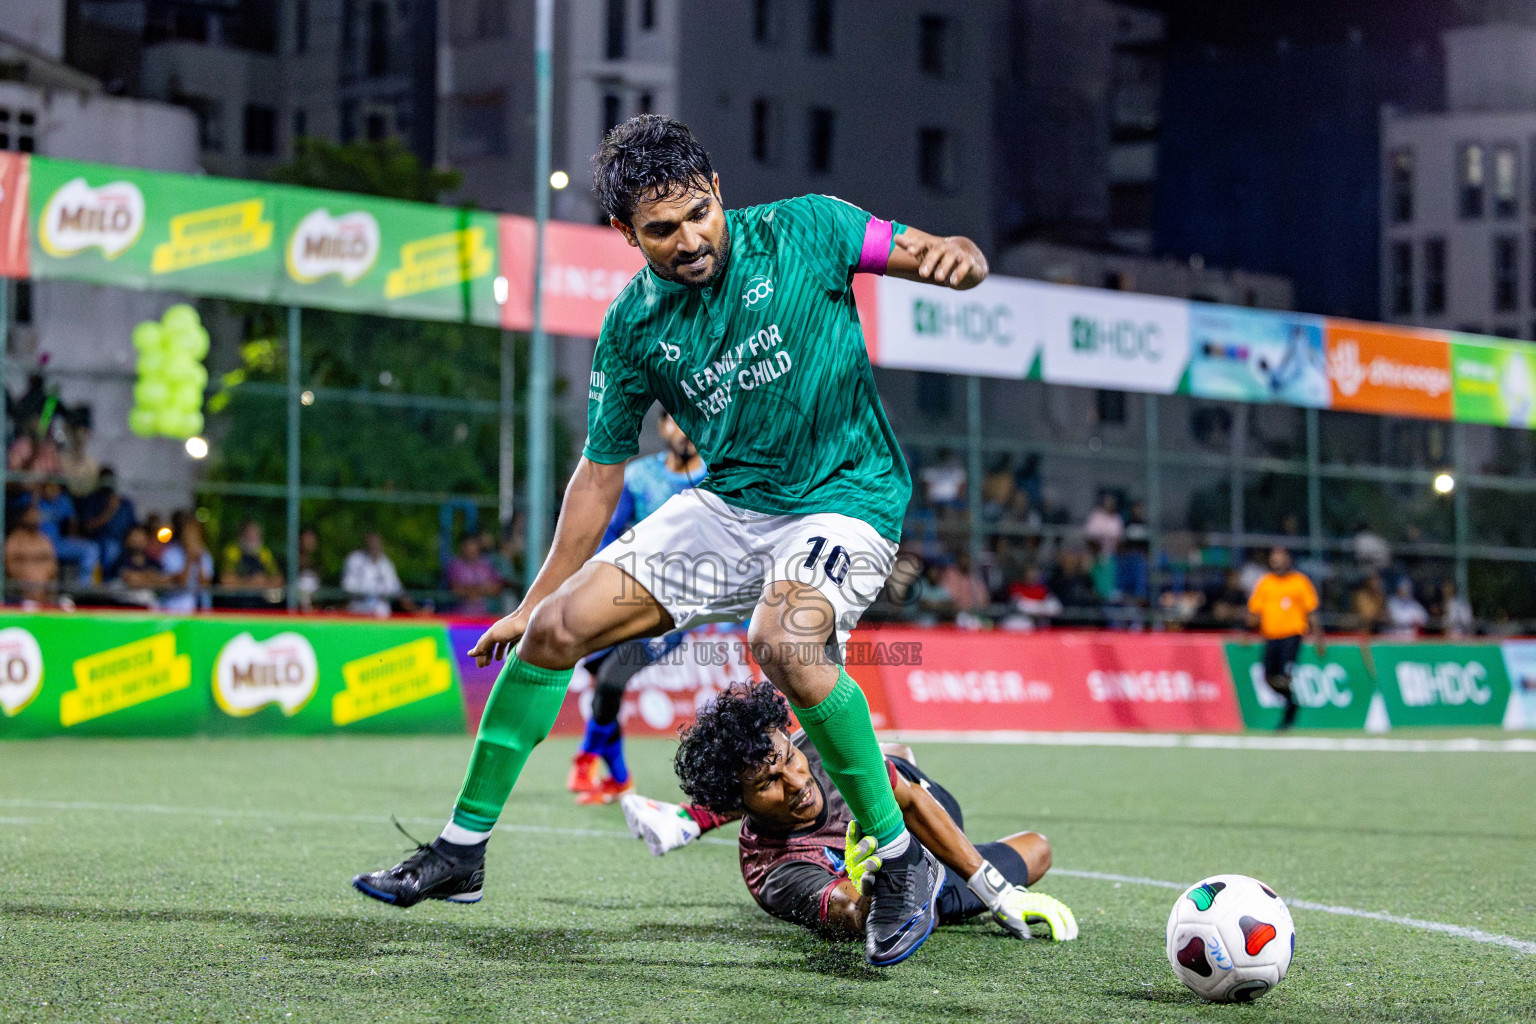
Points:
[(766, 370)]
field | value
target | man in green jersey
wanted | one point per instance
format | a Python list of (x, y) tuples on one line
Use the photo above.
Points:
[(743, 326)]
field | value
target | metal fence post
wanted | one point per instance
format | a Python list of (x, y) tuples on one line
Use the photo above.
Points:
[(505, 499), (973, 466), (293, 458), (1459, 506), (1314, 485), (539, 375), (1154, 499), (5, 426)]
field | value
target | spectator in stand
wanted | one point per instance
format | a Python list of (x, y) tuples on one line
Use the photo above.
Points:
[(944, 483), (1456, 619), (309, 568), (80, 469), (1229, 601), (1104, 526), (1372, 552), (1369, 603), (1033, 603), (1406, 617), (1253, 570), (1000, 495), (159, 535), (31, 566), (248, 563), (473, 580), (369, 578), (136, 570), (965, 588), (188, 566), (58, 522), (1074, 580), (106, 516)]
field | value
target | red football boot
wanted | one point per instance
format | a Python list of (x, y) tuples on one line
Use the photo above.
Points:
[(583, 777), (607, 792)]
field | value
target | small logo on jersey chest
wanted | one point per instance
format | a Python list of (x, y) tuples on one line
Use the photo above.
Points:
[(759, 291)]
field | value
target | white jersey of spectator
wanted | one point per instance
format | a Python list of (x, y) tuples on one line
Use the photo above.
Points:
[(1457, 620), (1104, 527), (1405, 616), (1250, 574), (194, 595), (1372, 550), (944, 484), (370, 582)]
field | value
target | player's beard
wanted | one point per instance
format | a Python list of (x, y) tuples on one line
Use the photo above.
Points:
[(722, 254)]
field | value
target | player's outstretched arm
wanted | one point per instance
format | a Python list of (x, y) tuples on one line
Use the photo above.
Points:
[(954, 261), (585, 511)]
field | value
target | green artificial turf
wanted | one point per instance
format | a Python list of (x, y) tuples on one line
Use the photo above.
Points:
[(208, 880)]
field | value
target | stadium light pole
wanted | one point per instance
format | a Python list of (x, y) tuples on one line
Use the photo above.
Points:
[(292, 588), (539, 358)]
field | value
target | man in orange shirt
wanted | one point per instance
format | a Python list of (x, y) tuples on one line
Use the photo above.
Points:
[(1283, 607)]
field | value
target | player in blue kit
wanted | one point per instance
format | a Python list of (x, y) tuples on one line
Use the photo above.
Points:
[(648, 483)]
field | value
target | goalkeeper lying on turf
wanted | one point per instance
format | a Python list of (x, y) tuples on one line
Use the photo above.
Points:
[(801, 854)]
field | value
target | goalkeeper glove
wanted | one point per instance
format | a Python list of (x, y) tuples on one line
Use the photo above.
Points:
[(1016, 908), (859, 859)]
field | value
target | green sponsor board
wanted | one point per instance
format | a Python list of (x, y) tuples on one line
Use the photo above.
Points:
[(267, 243), (272, 675), (96, 676), (146, 675), (1334, 692), (1442, 684), (1493, 382), (359, 253)]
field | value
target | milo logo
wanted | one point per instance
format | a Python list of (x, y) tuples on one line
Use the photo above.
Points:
[(21, 670), (251, 674), (347, 246), (78, 217)]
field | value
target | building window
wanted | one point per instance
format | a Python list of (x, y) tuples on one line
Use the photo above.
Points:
[(1471, 175), (348, 119), (934, 157), (18, 130), (933, 44), (611, 108), (1506, 331), (1402, 278), (764, 131), (765, 21), (1506, 269), (378, 39), (646, 102), (300, 26), (820, 141), (210, 121), (260, 130), (821, 27), (1434, 275), (647, 14), (377, 124), (479, 126), (1400, 188), (614, 42), (1110, 407), (1506, 180)]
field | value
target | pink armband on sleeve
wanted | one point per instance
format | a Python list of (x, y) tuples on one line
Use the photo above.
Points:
[(877, 247)]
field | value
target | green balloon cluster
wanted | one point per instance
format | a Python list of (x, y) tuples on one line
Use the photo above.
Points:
[(168, 397)]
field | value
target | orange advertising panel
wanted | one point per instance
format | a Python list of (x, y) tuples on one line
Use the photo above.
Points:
[(13, 214), (1393, 371), (585, 268)]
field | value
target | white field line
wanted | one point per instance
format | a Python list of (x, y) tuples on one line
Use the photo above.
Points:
[(1455, 930), (1345, 744)]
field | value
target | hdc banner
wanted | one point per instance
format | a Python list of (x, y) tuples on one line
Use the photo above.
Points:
[(1445, 684)]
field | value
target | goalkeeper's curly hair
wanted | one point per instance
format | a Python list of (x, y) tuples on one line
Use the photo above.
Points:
[(733, 734)]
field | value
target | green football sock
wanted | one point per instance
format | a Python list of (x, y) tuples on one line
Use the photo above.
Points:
[(520, 713), (845, 737)]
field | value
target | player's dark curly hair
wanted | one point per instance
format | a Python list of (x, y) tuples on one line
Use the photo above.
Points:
[(645, 159), (733, 734)]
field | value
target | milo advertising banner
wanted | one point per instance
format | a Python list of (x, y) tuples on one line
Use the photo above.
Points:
[(95, 676), (1493, 382), (1445, 684), (1334, 692), (142, 675), (383, 256), (263, 242)]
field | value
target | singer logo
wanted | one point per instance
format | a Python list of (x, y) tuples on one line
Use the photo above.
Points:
[(78, 217), (347, 245), (1384, 371)]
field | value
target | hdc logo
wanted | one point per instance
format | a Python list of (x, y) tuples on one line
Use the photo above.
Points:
[(1119, 339), (971, 321)]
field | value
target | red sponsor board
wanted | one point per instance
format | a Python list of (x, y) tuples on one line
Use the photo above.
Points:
[(585, 268), (1057, 681), (14, 252)]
